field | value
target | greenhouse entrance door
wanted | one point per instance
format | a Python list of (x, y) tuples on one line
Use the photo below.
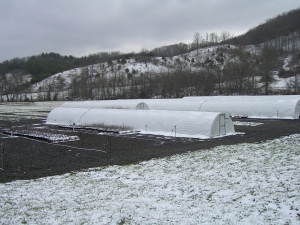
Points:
[(297, 111), (142, 106), (222, 121)]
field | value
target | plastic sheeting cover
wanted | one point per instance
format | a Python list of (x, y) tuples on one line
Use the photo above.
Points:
[(139, 104), (274, 106), (171, 104), (188, 124), (105, 104)]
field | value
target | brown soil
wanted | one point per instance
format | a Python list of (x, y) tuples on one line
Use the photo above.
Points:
[(30, 159)]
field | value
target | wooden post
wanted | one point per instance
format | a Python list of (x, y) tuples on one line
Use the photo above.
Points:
[(2, 155), (175, 132), (110, 143)]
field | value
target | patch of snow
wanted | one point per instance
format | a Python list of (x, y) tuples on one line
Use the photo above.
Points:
[(240, 123), (50, 137), (27, 110), (279, 83), (286, 63)]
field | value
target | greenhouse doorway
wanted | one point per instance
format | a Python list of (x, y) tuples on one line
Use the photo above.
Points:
[(222, 124), (142, 106)]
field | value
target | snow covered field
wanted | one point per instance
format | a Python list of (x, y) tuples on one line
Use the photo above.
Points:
[(238, 184), (27, 110)]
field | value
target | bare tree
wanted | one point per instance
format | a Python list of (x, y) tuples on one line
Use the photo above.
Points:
[(268, 62), (59, 85), (225, 35), (293, 84), (214, 38), (197, 41)]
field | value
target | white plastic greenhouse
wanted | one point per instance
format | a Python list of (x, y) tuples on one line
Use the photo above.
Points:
[(266, 107), (106, 104), (160, 122), (139, 104)]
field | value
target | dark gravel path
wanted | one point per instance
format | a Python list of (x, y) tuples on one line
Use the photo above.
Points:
[(30, 159)]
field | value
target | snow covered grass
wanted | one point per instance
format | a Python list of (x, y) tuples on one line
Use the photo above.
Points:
[(237, 184), (27, 110)]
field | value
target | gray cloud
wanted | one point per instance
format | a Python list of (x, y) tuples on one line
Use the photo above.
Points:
[(79, 27)]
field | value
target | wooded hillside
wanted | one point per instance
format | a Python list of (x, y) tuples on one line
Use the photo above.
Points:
[(279, 26)]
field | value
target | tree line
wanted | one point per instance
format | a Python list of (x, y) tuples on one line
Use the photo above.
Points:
[(228, 71), (279, 26)]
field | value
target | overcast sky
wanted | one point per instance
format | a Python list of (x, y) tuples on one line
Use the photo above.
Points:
[(82, 27)]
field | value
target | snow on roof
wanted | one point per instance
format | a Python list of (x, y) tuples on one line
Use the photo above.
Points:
[(162, 122)]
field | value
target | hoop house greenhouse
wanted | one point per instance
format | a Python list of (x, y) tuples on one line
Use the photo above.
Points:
[(106, 104), (138, 104), (266, 107), (161, 122)]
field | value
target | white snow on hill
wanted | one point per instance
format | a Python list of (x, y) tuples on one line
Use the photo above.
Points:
[(190, 61), (237, 184)]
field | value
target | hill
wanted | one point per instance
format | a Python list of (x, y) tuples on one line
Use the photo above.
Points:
[(215, 70), (284, 25), (268, 64)]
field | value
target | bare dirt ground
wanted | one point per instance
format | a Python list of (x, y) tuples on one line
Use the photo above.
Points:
[(30, 159)]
